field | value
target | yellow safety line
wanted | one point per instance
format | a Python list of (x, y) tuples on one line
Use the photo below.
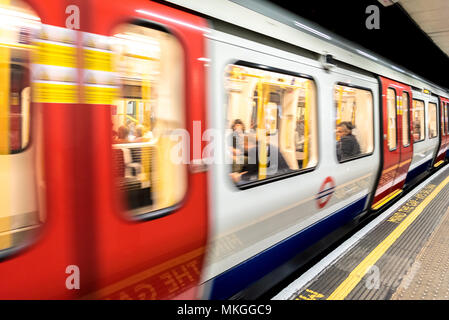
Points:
[(359, 272)]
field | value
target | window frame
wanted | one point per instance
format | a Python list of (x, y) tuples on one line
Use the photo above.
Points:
[(31, 233), (162, 212), (395, 118), (268, 68), (436, 119), (345, 84), (443, 120), (424, 104), (408, 119), (446, 114), (31, 115)]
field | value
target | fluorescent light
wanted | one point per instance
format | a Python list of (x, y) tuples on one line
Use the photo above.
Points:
[(398, 69), (182, 23), (367, 55), (18, 14), (303, 26), (137, 38)]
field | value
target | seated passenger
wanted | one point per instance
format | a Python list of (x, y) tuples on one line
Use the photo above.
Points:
[(237, 149), (416, 130), (347, 145), (140, 134), (122, 135), (276, 164)]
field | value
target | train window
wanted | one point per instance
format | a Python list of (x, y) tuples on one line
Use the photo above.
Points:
[(446, 115), (15, 50), (19, 214), (433, 126), (150, 108), (419, 132), (405, 119), (354, 125), (272, 123), (444, 119), (391, 118)]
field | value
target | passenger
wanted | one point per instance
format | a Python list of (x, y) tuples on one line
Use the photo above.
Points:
[(347, 145), (416, 130), (276, 164), (131, 125), (299, 135), (237, 149), (139, 134), (122, 135), (238, 128)]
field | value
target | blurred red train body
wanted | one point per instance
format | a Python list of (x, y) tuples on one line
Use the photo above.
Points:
[(92, 208), (85, 221)]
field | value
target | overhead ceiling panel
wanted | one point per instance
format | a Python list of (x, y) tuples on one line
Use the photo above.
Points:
[(433, 18)]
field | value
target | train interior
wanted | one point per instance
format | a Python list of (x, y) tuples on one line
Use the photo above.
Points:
[(355, 105), (19, 212), (150, 67), (286, 119)]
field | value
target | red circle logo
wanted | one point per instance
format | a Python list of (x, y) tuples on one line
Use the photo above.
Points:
[(327, 189)]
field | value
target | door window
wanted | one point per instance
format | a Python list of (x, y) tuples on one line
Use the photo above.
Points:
[(19, 216), (391, 118), (419, 123), (150, 66), (354, 124), (433, 120), (405, 120), (272, 119)]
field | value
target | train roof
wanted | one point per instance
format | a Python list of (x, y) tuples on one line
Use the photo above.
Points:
[(265, 18)]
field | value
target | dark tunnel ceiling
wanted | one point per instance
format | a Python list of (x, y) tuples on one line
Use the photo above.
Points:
[(399, 38)]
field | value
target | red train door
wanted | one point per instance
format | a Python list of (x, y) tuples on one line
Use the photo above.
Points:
[(397, 140), (444, 136), (44, 172), (446, 117), (151, 213)]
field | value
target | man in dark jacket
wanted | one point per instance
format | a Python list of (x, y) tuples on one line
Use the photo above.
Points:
[(347, 145), (276, 164)]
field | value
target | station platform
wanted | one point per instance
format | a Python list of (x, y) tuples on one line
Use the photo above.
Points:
[(403, 254)]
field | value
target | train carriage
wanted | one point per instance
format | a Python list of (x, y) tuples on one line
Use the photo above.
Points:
[(94, 206)]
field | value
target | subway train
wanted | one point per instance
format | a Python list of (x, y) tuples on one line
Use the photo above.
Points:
[(94, 100)]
